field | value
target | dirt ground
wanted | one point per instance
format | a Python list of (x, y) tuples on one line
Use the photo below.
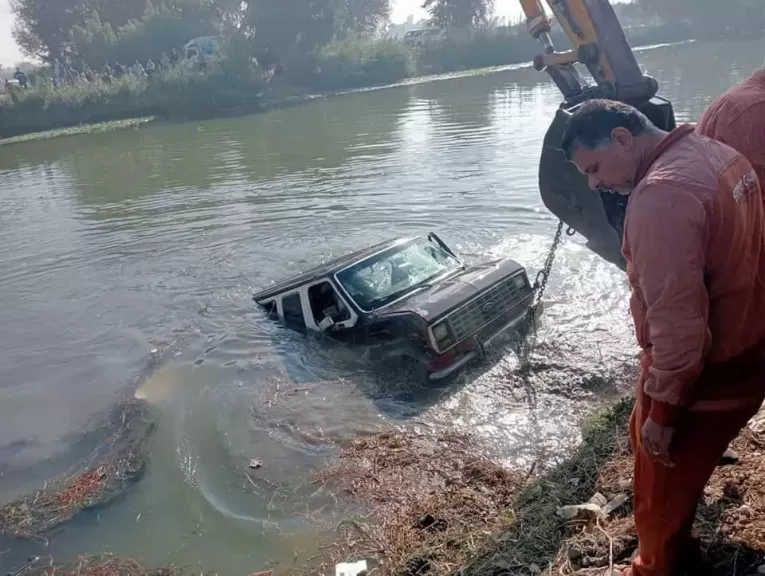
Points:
[(730, 520)]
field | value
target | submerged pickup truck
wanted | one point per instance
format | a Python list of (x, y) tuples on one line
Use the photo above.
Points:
[(407, 300)]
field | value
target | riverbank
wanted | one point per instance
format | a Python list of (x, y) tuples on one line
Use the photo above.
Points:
[(439, 507), (235, 88), (486, 521), (78, 130), (411, 504)]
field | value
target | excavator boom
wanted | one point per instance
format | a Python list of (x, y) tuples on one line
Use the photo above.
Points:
[(600, 45)]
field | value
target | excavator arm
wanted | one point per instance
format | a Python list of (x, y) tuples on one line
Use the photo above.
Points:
[(599, 45)]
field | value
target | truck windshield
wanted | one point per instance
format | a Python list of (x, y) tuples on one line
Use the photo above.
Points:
[(394, 273)]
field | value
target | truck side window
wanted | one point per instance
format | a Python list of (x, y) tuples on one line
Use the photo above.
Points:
[(325, 302), (293, 311)]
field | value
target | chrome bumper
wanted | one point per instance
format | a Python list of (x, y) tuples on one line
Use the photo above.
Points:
[(479, 353), (452, 368)]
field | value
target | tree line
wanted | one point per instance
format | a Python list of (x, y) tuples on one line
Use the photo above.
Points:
[(97, 31)]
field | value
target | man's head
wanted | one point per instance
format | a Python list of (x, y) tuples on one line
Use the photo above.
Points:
[(606, 141)]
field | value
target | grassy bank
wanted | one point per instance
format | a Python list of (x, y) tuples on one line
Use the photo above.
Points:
[(440, 507), (414, 504), (80, 129), (175, 94)]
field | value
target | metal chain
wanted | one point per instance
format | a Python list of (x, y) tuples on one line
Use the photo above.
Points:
[(540, 284)]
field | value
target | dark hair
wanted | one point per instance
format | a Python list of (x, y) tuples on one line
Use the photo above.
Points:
[(593, 122)]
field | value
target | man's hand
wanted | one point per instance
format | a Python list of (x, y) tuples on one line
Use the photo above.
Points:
[(656, 441)]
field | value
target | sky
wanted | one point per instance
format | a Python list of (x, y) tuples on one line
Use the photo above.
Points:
[(403, 8), (9, 52)]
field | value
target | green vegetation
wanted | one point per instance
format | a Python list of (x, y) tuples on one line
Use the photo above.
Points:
[(355, 63), (81, 129), (173, 94)]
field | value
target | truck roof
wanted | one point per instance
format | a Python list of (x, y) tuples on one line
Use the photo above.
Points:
[(325, 269)]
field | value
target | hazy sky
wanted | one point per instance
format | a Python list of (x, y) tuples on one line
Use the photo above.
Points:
[(9, 52), (403, 8)]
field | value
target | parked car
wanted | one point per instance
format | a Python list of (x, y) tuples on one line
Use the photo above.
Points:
[(407, 300), (423, 36)]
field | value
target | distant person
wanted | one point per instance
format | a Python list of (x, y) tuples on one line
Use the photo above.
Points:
[(737, 118), (694, 241), (56, 73), (201, 62), (174, 57), (107, 73), (21, 78)]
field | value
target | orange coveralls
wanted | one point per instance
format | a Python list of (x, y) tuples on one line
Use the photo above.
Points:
[(694, 242), (737, 118)]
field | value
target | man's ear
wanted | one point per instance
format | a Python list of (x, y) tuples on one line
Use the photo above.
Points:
[(623, 137)]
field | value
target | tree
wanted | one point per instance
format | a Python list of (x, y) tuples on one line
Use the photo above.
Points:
[(94, 41), (363, 16), (43, 27), (459, 13), (293, 28), (119, 12)]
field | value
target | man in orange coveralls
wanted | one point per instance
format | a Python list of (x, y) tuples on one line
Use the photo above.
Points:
[(694, 241), (737, 118)]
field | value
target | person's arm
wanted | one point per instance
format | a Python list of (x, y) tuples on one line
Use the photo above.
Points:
[(668, 234)]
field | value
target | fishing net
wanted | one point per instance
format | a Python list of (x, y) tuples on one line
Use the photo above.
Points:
[(118, 461)]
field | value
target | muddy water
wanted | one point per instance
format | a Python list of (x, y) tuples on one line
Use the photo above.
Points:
[(129, 259)]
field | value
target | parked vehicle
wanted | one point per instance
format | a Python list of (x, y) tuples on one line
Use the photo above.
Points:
[(408, 300), (423, 36), (212, 47)]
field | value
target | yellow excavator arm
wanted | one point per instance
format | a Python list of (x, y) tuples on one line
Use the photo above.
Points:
[(600, 45)]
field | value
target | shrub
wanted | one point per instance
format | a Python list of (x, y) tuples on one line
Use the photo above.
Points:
[(174, 93), (353, 63)]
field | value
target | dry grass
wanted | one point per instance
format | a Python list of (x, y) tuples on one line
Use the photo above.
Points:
[(436, 502), (535, 540), (118, 462), (102, 565), (730, 520)]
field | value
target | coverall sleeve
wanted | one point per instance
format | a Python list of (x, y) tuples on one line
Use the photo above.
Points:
[(668, 232)]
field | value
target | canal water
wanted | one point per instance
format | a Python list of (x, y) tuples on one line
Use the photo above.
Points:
[(119, 248)]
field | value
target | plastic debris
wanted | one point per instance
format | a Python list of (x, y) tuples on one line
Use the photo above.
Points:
[(617, 502), (598, 499), (351, 568), (581, 511)]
